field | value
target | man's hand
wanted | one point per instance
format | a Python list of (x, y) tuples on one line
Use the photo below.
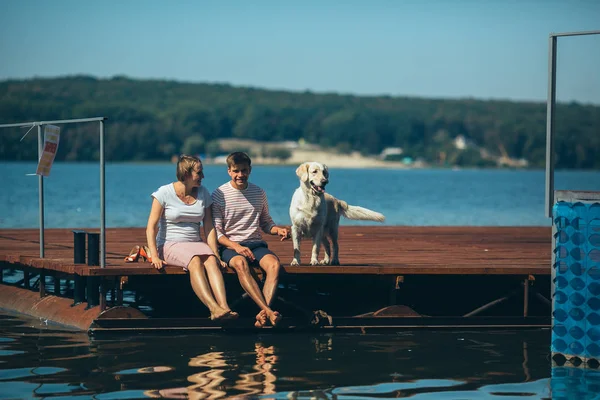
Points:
[(244, 251), (283, 232)]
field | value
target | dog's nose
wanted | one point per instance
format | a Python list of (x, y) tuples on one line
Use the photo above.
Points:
[(325, 181)]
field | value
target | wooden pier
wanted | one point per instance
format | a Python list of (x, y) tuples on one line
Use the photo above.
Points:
[(429, 271)]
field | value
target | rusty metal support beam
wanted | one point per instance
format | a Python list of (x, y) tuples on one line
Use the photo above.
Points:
[(492, 303), (543, 298)]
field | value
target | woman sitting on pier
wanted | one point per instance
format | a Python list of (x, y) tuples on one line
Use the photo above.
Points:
[(173, 234)]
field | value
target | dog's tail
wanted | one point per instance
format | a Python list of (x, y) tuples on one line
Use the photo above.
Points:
[(359, 213)]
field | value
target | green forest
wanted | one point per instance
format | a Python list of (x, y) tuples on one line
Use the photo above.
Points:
[(156, 119)]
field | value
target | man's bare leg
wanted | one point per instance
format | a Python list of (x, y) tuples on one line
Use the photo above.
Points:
[(249, 284), (270, 264)]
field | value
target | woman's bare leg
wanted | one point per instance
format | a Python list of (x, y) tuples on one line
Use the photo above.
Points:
[(202, 288), (215, 276)]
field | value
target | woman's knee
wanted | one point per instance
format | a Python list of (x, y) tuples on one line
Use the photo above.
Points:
[(209, 261), (195, 263)]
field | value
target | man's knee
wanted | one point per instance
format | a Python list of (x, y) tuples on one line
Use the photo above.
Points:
[(271, 264), (240, 265)]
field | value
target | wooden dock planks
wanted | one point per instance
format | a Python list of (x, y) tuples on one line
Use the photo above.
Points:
[(385, 250)]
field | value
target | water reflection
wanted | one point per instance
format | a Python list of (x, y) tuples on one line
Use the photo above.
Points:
[(222, 376), (262, 380), (40, 362)]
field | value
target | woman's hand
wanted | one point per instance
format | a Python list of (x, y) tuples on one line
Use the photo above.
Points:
[(222, 263), (158, 263)]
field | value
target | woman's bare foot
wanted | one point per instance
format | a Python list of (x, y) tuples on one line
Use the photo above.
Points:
[(219, 314), (261, 319), (231, 315)]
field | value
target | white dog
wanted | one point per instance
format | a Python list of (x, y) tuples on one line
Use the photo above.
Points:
[(316, 214)]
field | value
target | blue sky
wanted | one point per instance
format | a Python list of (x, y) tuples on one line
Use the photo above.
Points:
[(426, 48)]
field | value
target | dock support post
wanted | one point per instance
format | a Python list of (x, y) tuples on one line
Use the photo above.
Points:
[(394, 291), (122, 280), (93, 253), (56, 281), (79, 247), (42, 283), (92, 289), (102, 294), (78, 290), (26, 280), (526, 297)]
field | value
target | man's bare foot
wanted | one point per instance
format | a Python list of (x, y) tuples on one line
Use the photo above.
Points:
[(261, 319), (274, 318)]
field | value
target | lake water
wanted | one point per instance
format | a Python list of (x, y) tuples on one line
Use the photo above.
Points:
[(44, 361), (406, 197), (38, 361)]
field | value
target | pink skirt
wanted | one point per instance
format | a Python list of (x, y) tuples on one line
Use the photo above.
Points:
[(181, 253)]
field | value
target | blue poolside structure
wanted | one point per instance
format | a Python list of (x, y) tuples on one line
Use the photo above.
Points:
[(576, 278)]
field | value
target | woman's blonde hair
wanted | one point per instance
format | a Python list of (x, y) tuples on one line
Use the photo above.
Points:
[(185, 165)]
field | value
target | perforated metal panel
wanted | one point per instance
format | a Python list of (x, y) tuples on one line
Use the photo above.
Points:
[(576, 278)]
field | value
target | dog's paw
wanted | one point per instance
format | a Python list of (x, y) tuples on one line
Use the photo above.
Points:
[(335, 262), (314, 262), (295, 262), (324, 262)]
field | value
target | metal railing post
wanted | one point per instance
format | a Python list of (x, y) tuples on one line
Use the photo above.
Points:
[(550, 108), (40, 124), (41, 192), (551, 104), (102, 201)]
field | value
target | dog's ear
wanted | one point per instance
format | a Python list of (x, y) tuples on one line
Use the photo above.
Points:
[(302, 172)]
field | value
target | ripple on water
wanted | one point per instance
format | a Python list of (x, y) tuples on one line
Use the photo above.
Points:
[(395, 387), (17, 373), (144, 370), (124, 395), (10, 352), (59, 388)]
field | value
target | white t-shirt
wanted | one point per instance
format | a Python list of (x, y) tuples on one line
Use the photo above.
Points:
[(180, 222)]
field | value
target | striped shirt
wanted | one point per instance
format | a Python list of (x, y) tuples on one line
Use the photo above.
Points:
[(241, 214)]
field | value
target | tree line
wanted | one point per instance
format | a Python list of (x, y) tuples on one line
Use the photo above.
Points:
[(155, 119)]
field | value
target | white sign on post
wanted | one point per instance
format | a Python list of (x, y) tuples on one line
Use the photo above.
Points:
[(51, 139)]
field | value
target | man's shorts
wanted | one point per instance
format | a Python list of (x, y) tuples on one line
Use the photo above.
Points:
[(259, 248)]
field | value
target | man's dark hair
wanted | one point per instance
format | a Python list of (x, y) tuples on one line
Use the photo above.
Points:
[(238, 158)]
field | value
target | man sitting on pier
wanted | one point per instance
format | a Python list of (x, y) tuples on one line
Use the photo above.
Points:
[(240, 211)]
